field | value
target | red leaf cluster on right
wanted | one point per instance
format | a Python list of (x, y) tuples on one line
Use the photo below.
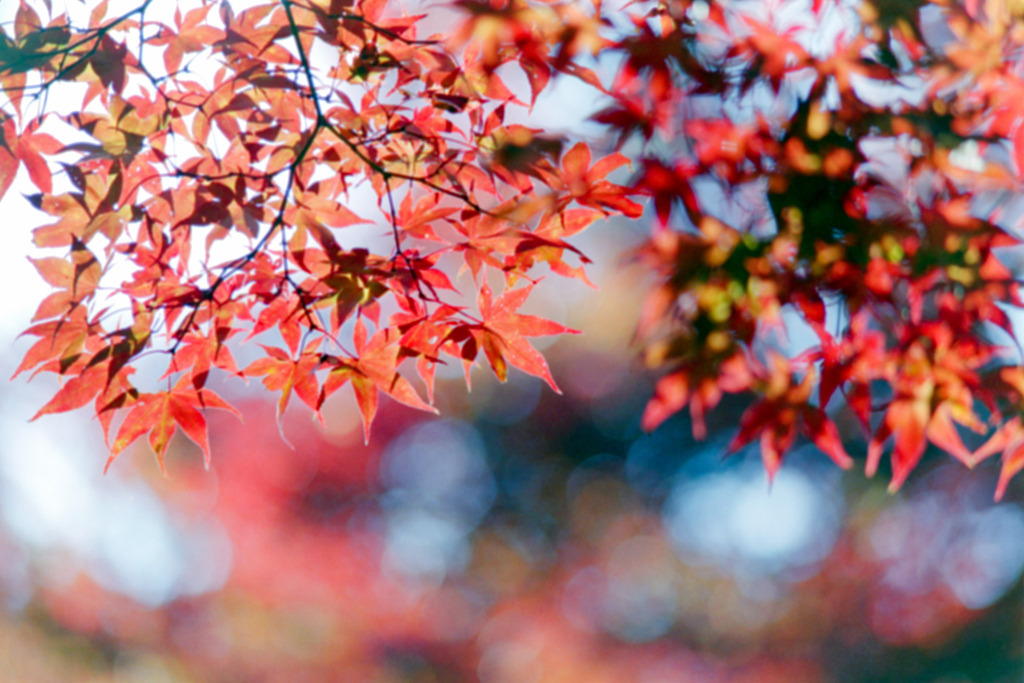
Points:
[(858, 183)]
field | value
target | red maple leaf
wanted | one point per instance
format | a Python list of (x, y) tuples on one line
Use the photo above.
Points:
[(502, 335), (374, 369), (161, 413)]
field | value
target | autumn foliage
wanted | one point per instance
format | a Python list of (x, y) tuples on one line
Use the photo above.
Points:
[(829, 185)]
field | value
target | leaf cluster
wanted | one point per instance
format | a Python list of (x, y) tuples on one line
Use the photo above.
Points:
[(860, 190), (859, 187), (224, 167)]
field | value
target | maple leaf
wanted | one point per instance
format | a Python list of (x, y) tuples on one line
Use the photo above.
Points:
[(778, 417), (287, 374), (283, 313), (426, 335), (1009, 440), (77, 391), (8, 163), (711, 378), (587, 183), (192, 36), (774, 55), (61, 340), (162, 413), (933, 395), (502, 334), (200, 353), (374, 369), (416, 220), (30, 148), (77, 277), (668, 185)]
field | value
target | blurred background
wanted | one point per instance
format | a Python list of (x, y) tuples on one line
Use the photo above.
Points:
[(523, 536)]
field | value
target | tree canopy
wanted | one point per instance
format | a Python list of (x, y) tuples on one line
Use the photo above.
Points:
[(832, 193)]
